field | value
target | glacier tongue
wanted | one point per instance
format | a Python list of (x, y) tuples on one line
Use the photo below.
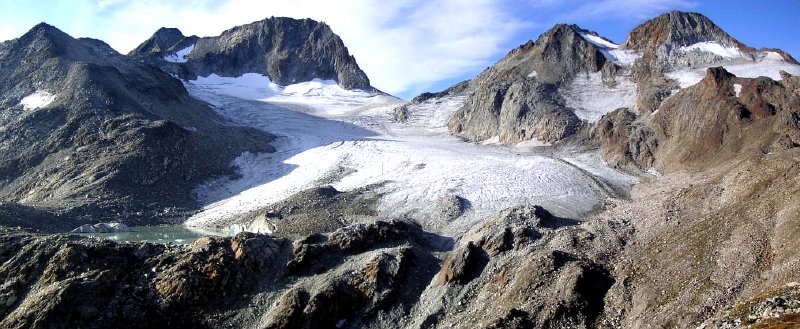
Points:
[(350, 141)]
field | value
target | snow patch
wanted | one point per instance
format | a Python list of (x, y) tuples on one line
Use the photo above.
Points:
[(494, 140), (599, 41), (737, 88), (533, 74), (37, 100), (611, 50), (591, 98), (770, 56), (770, 69), (714, 48), (181, 56)]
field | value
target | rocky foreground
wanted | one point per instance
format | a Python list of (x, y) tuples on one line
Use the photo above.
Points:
[(715, 248)]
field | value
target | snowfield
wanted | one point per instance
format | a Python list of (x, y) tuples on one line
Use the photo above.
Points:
[(327, 135), (769, 65), (714, 48), (611, 51), (181, 56), (591, 98)]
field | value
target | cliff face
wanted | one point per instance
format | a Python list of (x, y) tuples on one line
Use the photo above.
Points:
[(94, 134), (714, 121), (284, 49), (517, 98)]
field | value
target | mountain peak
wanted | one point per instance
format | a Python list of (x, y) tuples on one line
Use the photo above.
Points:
[(678, 29), (287, 50), (47, 31), (162, 40)]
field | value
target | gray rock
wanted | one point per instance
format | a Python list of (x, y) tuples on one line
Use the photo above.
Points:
[(511, 102), (286, 50), (110, 145)]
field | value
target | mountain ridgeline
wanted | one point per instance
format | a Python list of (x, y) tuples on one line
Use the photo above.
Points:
[(707, 237), (94, 135), (284, 49), (541, 90)]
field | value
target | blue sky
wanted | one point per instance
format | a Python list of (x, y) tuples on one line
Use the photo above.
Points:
[(409, 46)]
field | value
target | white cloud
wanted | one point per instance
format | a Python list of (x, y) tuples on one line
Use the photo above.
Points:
[(401, 45)]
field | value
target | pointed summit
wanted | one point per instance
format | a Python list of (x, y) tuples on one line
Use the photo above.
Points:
[(678, 29), (44, 38), (556, 56), (287, 50), (163, 40)]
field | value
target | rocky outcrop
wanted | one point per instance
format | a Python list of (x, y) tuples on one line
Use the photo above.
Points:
[(102, 228), (626, 142), (315, 210), (516, 268), (65, 282), (164, 41), (98, 136), (286, 50)]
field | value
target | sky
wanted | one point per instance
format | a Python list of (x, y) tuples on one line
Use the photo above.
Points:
[(406, 46)]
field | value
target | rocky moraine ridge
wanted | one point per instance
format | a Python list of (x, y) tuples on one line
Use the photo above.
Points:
[(707, 239)]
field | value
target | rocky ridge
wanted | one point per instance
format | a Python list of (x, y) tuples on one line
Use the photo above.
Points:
[(284, 49), (516, 99), (557, 88), (91, 135)]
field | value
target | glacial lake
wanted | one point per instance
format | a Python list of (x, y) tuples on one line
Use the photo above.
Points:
[(175, 234)]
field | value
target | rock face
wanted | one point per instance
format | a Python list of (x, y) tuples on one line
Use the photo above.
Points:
[(517, 100), (89, 132), (707, 124), (67, 282), (284, 49), (555, 88)]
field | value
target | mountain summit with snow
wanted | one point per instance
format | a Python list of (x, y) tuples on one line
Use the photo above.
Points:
[(286, 50)]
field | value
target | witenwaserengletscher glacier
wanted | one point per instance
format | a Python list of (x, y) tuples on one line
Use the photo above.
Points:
[(257, 179)]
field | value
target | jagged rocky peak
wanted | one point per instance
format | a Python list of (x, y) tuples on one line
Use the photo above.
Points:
[(517, 99), (556, 56), (165, 39), (286, 50), (679, 29)]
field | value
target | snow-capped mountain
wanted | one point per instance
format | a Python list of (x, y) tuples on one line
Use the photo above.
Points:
[(565, 81)]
